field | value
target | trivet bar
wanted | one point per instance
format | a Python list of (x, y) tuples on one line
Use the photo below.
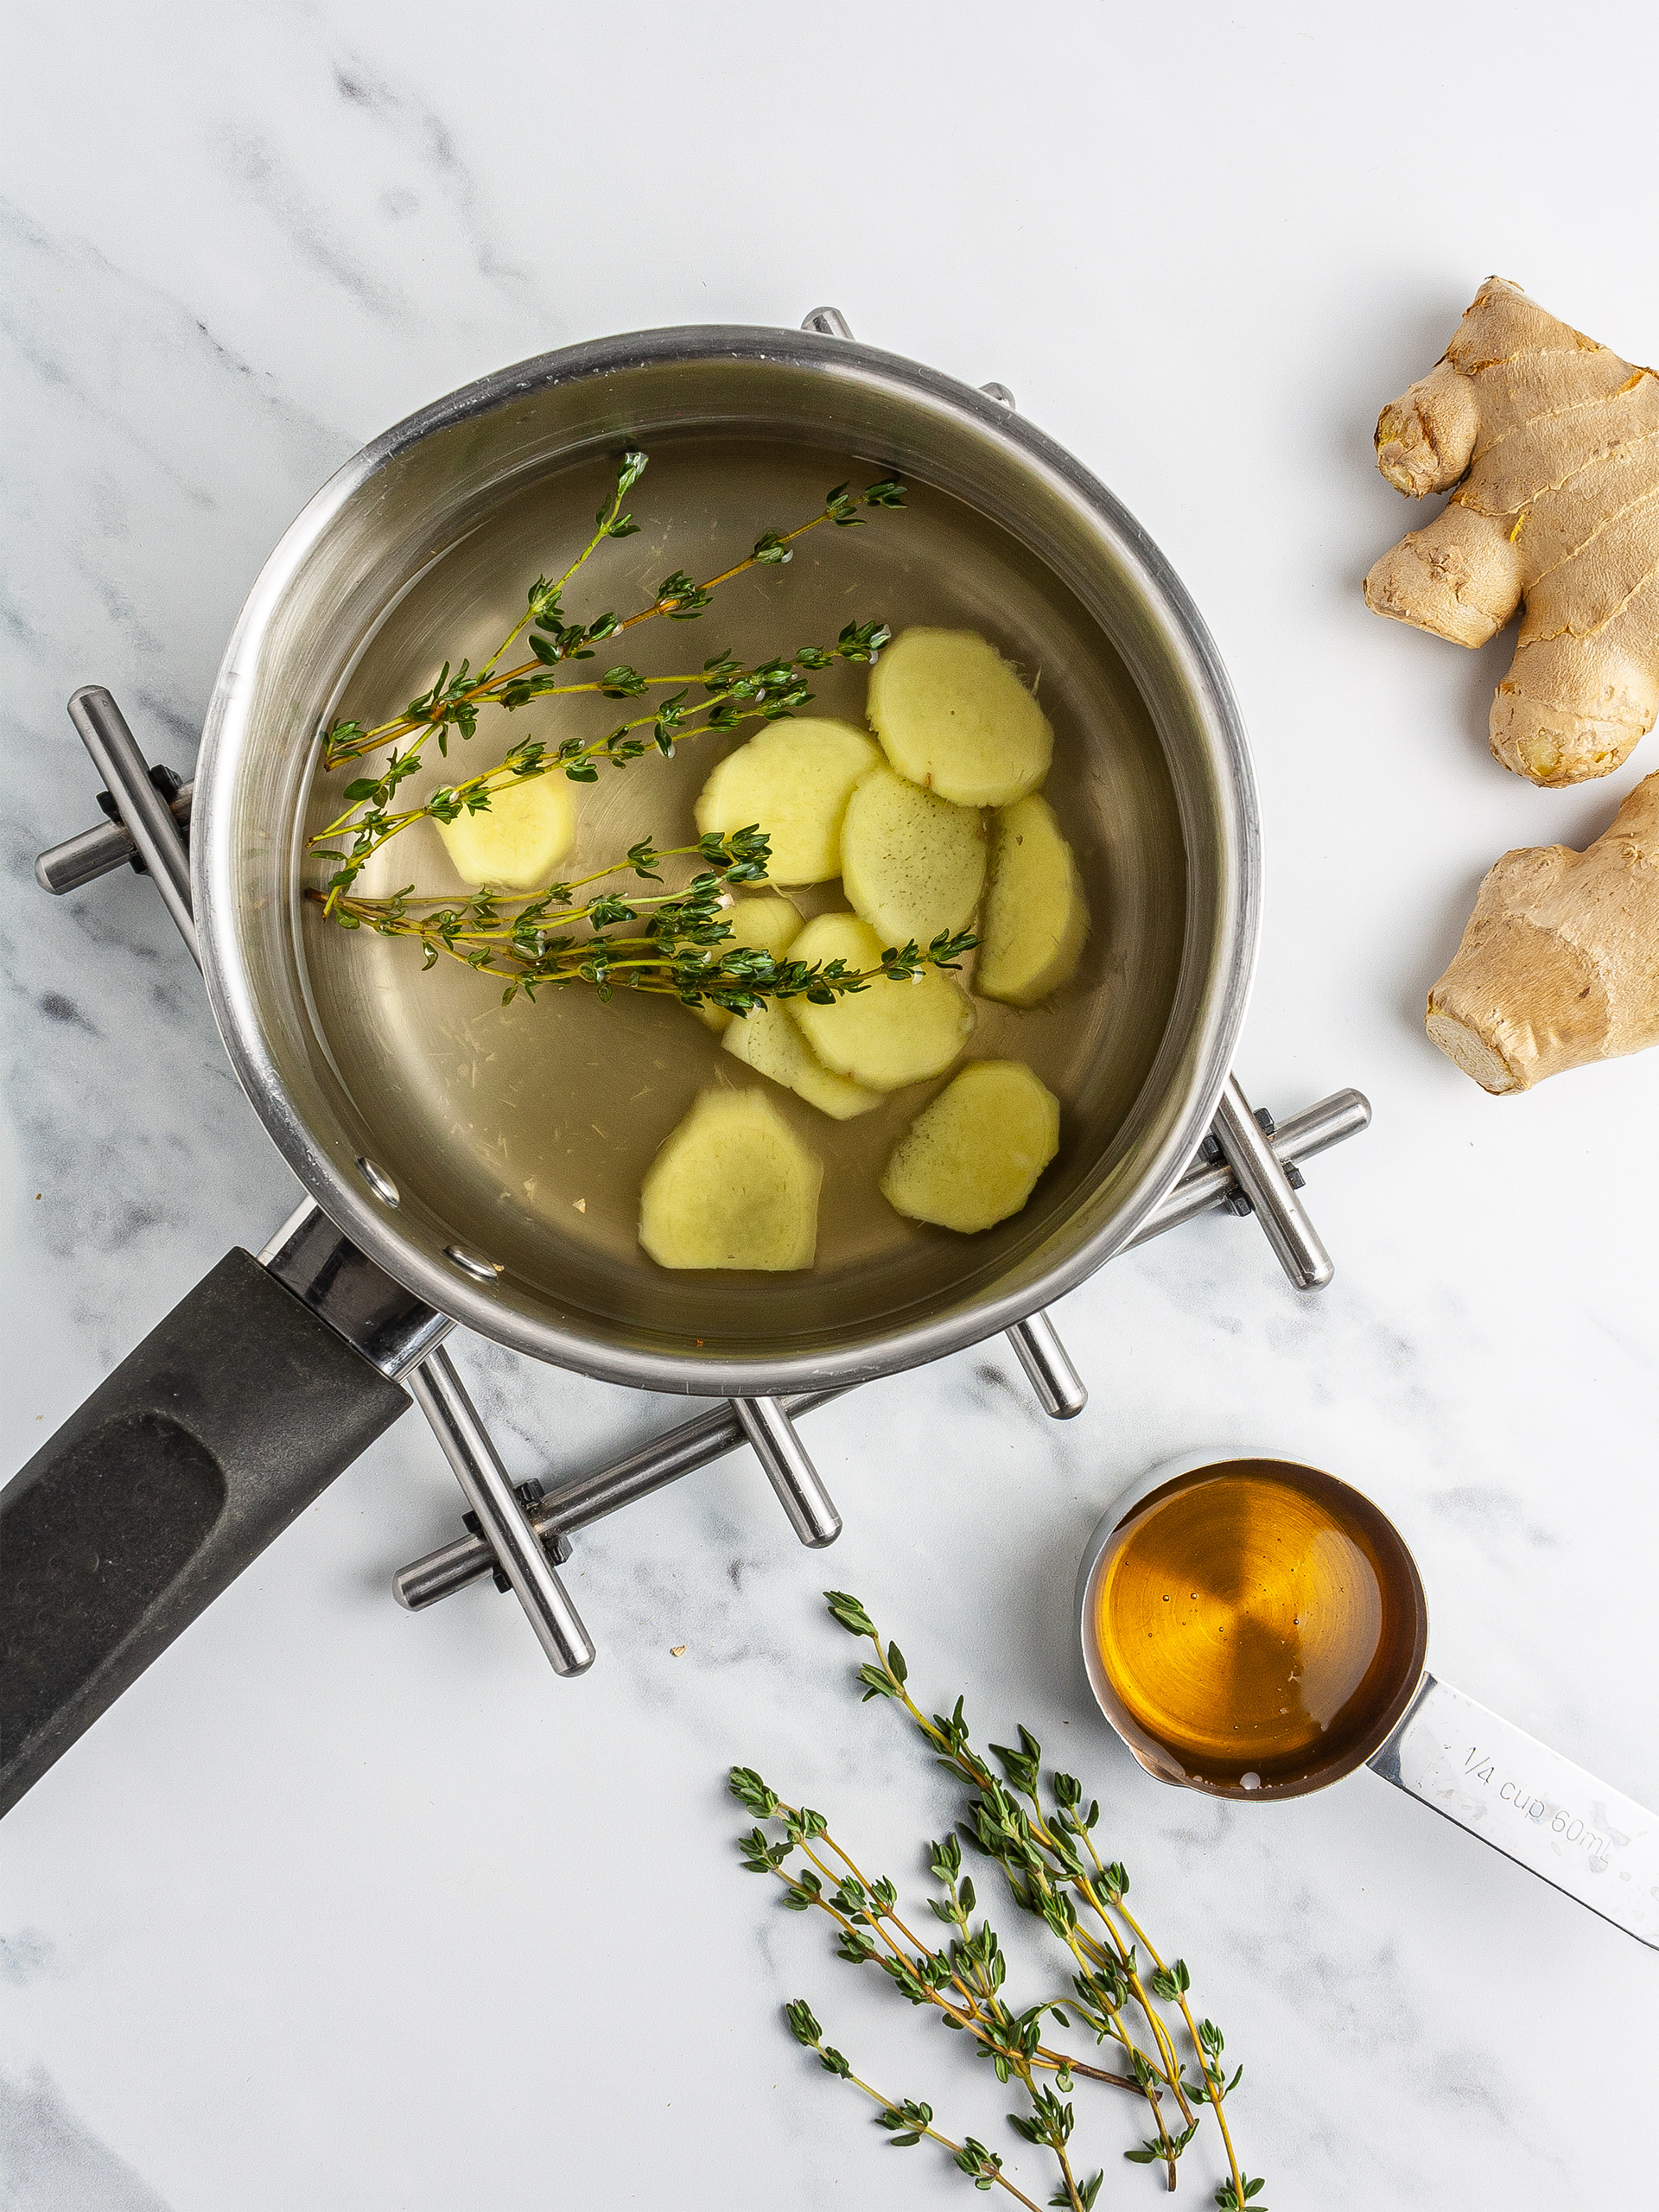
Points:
[(1265, 1183), (108, 846), (1210, 1186), (503, 1522), (1048, 1367), (148, 817), (767, 1424), (1207, 1187), (586, 1498)]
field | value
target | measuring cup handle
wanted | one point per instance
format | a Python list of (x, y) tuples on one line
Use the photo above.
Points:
[(1528, 1802), (226, 1423)]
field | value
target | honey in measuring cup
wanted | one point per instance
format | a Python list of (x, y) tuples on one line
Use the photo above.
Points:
[(1261, 1627)]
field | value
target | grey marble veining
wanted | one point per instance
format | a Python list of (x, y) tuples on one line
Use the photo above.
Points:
[(343, 1908)]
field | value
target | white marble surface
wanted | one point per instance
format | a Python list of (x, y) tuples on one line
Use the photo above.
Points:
[(340, 1908)]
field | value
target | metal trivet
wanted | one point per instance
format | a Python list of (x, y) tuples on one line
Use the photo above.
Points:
[(521, 1534)]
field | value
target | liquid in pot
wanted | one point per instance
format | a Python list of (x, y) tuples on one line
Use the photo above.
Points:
[(532, 1125)]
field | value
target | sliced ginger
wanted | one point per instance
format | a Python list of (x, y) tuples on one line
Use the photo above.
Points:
[(911, 863), (765, 921), (1559, 967), (887, 1034), (767, 1040), (792, 780), (952, 715), (1036, 917), (519, 839), (973, 1156), (733, 1186)]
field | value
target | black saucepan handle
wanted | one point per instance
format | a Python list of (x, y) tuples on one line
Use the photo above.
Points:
[(223, 1425)]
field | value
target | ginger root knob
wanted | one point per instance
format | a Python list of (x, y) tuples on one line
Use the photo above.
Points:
[(1553, 444), (1559, 967)]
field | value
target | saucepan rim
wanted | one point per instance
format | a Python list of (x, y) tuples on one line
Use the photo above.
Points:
[(1229, 950)]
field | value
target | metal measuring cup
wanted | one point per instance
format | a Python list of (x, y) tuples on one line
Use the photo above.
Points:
[(1416, 1731)]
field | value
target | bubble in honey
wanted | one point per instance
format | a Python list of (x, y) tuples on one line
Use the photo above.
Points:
[(1261, 1626)]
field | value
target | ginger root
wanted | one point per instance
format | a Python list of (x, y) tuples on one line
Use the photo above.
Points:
[(1553, 444), (1559, 967)]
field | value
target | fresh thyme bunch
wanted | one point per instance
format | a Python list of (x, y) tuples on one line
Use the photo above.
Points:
[(1053, 1870), (685, 949), (735, 693)]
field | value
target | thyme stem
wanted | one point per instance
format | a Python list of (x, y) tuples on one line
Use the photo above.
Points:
[(687, 949), (605, 522), (766, 692), (678, 597), (373, 739), (905, 2121), (980, 2020)]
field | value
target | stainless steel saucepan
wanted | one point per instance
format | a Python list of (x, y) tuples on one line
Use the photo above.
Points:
[(479, 1164)]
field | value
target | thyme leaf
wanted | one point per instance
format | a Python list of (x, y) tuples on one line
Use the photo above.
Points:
[(453, 700)]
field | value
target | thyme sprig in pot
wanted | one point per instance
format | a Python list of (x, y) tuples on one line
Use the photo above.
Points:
[(1122, 1992), (734, 692), (685, 949)]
